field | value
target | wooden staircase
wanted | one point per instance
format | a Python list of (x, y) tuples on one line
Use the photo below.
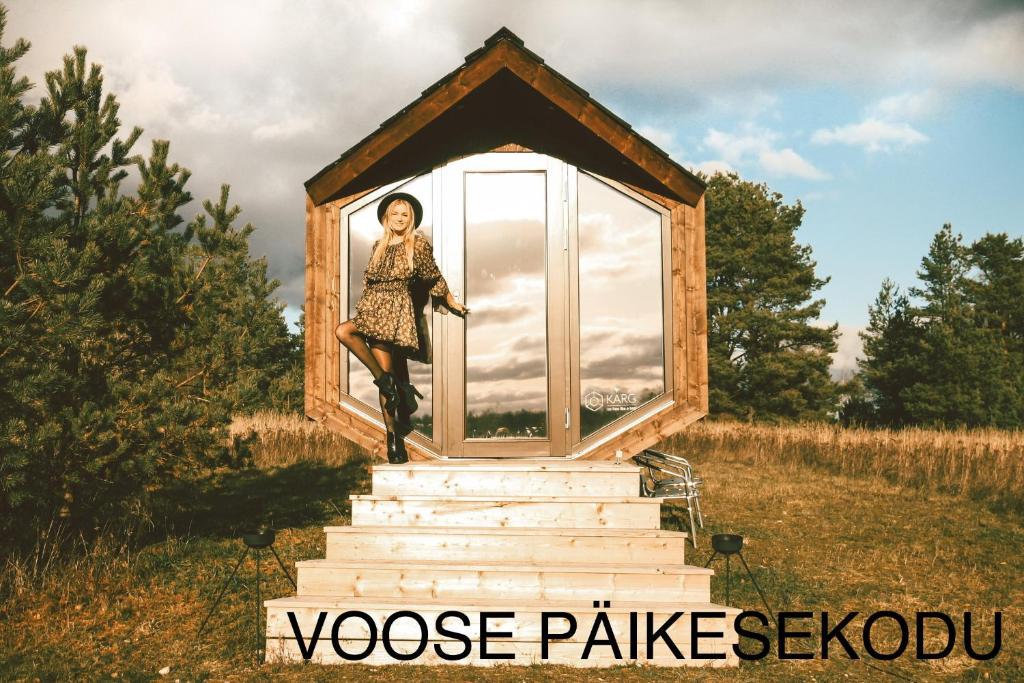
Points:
[(523, 537)]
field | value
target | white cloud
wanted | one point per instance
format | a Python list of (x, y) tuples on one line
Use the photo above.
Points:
[(907, 105), (884, 126), (849, 348), (872, 134), (710, 166), (149, 91), (786, 162), (750, 102), (735, 147), (724, 54), (665, 139), (756, 145)]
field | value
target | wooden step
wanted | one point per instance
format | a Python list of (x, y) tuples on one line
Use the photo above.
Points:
[(529, 537), (583, 512), (676, 583), (524, 626), (508, 478), (508, 544), (281, 650)]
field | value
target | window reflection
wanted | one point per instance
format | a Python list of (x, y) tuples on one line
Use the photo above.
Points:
[(363, 231), (621, 323), (506, 288)]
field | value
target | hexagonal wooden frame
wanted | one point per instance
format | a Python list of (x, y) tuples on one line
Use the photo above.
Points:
[(397, 150)]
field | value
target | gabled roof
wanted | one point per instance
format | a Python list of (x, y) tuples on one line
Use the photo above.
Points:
[(503, 93)]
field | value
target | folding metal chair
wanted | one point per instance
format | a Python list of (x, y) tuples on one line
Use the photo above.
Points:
[(669, 476)]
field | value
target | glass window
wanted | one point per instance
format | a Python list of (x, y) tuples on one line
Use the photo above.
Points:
[(621, 313)]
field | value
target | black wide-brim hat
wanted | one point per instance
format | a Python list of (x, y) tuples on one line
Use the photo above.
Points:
[(417, 208)]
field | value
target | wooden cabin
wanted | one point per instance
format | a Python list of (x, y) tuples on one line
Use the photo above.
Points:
[(577, 244), (579, 248)]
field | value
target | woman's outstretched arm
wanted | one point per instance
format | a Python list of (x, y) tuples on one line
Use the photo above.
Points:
[(425, 268)]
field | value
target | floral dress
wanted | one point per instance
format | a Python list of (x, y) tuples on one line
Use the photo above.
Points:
[(386, 311)]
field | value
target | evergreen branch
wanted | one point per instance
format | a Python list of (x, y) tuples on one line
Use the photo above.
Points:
[(190, 378), (195, 279)]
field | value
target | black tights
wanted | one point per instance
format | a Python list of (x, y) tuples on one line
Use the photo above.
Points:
[(378, 359)]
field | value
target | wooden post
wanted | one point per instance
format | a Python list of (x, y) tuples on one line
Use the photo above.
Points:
[(315, 360), (699, 277)]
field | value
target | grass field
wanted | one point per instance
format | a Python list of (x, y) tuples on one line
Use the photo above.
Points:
[(835, 521)]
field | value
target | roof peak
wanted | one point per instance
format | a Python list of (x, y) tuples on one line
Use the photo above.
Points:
[(469, 110), (504, 33)]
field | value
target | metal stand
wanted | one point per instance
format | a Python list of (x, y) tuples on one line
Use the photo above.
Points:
[(670, 477), (254, 542), (729, 545)]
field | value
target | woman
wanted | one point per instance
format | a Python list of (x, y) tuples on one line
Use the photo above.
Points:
[(384, 332)]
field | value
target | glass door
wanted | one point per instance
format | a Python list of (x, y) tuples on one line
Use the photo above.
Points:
[(568, 277), (505, 256)]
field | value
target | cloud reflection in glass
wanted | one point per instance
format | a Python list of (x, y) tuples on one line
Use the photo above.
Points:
[(621, 315), (506, 288)]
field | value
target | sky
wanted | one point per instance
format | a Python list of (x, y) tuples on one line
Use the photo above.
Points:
[(884, 120)]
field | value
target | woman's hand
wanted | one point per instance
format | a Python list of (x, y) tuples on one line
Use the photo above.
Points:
[(455, 307)]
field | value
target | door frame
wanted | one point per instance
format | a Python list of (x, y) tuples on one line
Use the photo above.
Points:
[(451, 229)]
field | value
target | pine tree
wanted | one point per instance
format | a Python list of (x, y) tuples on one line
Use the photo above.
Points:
[(767, 358), (995, 292), (892, 350), (956, 357), (27, 189), (237, 335), (948, 391), (130, 336)]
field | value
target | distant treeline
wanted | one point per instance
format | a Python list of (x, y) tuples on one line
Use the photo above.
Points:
[(952, 353), (948, 353)]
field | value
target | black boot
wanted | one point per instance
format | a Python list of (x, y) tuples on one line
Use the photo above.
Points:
[(408, 392), (388, 389), (397, 454)]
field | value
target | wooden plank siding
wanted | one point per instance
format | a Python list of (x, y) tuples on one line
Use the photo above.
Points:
[(699, 308), (333, 315), (315, 300)]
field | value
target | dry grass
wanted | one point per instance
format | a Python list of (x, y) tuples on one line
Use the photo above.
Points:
[(981, 464), (984, 464), (825, 531), (287, 439)]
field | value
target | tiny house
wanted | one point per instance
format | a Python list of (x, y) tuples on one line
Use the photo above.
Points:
[(576, 242), (578, 247)]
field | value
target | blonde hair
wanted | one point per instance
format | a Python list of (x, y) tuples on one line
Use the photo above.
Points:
[(409, 238)]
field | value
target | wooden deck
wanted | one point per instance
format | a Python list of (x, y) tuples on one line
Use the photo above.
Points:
[(522, 537)]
